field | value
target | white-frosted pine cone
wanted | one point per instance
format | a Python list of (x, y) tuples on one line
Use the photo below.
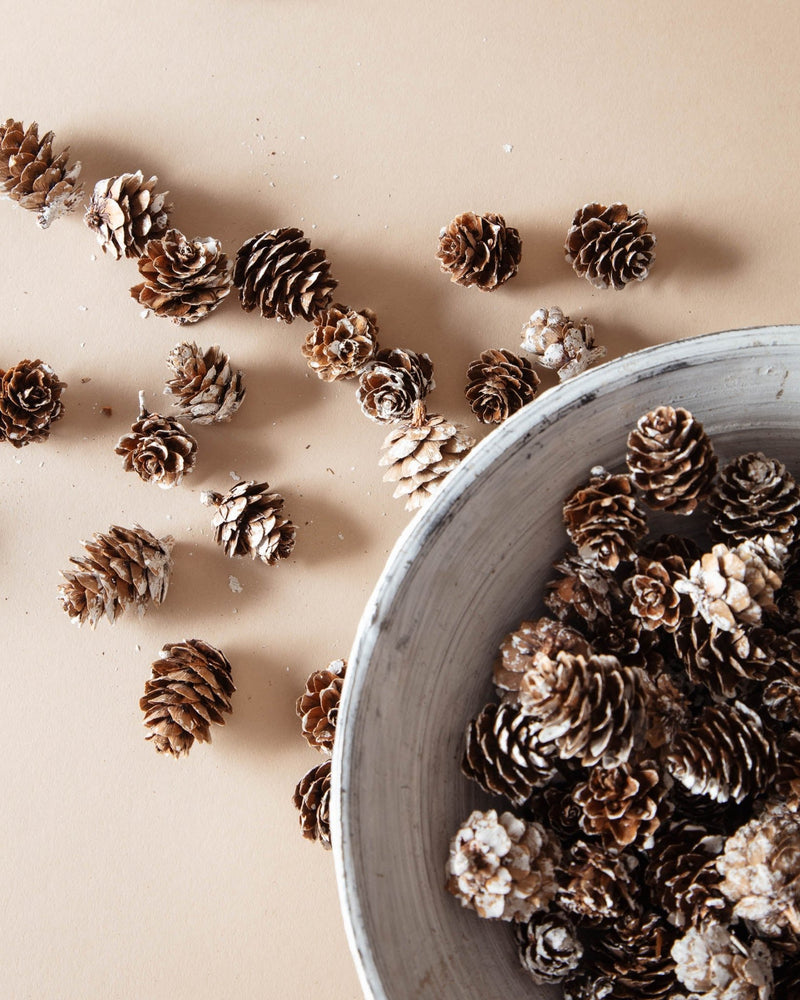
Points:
[(560, 344), (714, 964)]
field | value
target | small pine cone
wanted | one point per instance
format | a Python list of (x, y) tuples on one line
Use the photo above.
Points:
[(720, 660), (158, 449), (312, 797), (392, 382), (604, 520), (609, 246), (420, 454), (668, 710), (502, 754), (189, 689), (341, 342), (35, 178), (183, 279), (124, 213), (126, 566), (787, 779), (519, 647), (654, 600), (635, 954), (781, 699), (498, 384), (278, 273), (701, 810), (622, 636), (597, 886), (205, 388), (248, 521), (318, 706), (671, 459), (726, 754), (590, 986), (712, 962), (755, 496), (584, 589), (787, 598), (30, 401), (555, 808), (479, 250), (557, 343), (548, 946), (676, 552)]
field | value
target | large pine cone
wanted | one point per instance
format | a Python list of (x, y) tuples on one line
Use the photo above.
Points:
[(278, 273), (712, 962), (183, 279), (126, 566), (583, 592), (318, 706), (755, 496), (204, 387), (158, 449), (609, 246), (557, 343), (634, 954), (35, 178), (595, 885), (479, 250), (190, 688), (341, 342), (124, 213), (549, 947), (249, 521), (498, 384), (519, 647), (312, 798), (30, 401), (604, 520), (392, 383)]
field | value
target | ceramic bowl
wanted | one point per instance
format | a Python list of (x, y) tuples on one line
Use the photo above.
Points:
[(466, 571)]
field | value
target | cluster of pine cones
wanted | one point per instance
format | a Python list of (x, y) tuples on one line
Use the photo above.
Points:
[(645, 738)]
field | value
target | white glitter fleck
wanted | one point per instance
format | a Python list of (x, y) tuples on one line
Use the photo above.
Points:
[(235, 586), (235, 476), (83, 309), (341, 537), (92, 256), (507, 147), (138, 648), (144, 313), (336, 177)]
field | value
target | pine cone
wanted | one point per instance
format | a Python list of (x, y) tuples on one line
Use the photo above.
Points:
[(341, 342), (668, 710), (278, 273), (558, 343), (420, 454), (709, 960), (787, 779), (312, 797), (787, 981), (726, 754), (30, 401), (781, 699), (716, 817), (158, 449), (479, 250), (248, 521), (604, 520), (634, 954), (519, 647), (654, 602), (609, 246), (755, 496), (584, 589), (32, 176), (719, 660), (590, 986), (183, 279), (392, 382), (676, 552), (204, 386), (557, 811), (549, 947), (124, 213), (596, 885), (318, 706), (499, 383), (126, 566), (189, 689)]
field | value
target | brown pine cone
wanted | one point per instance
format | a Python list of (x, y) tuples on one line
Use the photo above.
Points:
[(519, 647), (498, 384), (609, 246), (30, 401), (312, 797), (318, 706), (278, 273), (676, 552), (787, 779), (584, 589), (204, 387), (249, 521), (479, 250), (595, 885), (668, 709), (654, 600), (604, 520), (719, 660), (392, 382), (158, 449), (189, 689), (781, 699), (341, 342), (787, 598), (126, 566), (554, 807), (548, 946), (183, 279), (124, 213), (713, 962), (671, 459), (35, 178), (755, 496), (787, 980), (558, 343), (634, 953)]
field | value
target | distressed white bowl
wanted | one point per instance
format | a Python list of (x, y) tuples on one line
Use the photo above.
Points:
[(463, 574)]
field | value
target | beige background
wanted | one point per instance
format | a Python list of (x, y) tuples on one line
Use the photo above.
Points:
[(370, 125)]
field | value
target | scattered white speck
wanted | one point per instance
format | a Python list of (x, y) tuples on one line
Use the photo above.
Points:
[(272, 184), (144, 313), (83, 343), (507, 147), (138, 648), (168, 517), (352, 468), (83, 309), (236, 611), (92, 256), (484, 38), (302, 138), (336, 177), (18, 461), (41, 465), (235, 586), (302, 218), (235, 476), (341, 537), (259, 136), (313, 225)]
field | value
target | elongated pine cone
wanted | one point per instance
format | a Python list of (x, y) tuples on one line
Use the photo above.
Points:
[(671, 459), (548, 946), (683, 878), (204, 387), (318, 706), (712, 962), (278, 273), (596, 885), (419, 455), (158, 449), (519, 647), (604, 520), (183, 279), (189, 689), (312, 798), (125, 213), (584, 591), (755, 496), (249, 521), (35, 178), (560, 344), (341, 342), (123, 567), (499, 383), (392, 383), (479, 250), (609, 246), (634, 953), (30, 401)]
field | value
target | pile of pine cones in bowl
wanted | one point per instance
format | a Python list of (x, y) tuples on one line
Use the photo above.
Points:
[(623, 696)]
